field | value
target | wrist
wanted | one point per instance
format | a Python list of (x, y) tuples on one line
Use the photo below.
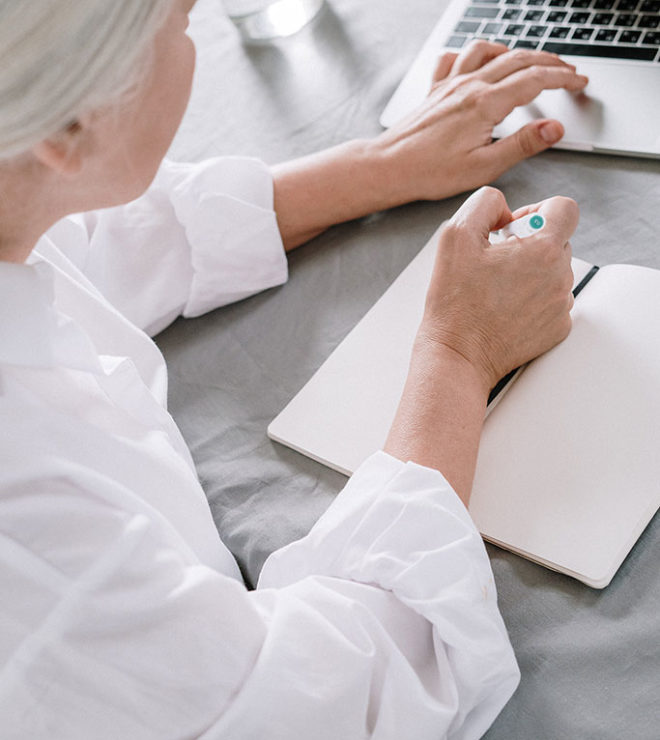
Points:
[(386, 159), (440, 416), (436, 351), (345, 182), (375, 174)]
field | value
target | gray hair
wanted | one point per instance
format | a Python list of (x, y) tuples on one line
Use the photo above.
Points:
[(62, 58)]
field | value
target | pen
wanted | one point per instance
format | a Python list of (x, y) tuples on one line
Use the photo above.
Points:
[(524, 226)]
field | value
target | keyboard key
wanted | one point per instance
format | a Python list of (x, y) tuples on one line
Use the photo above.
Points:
[(456, 41), (560, 32), (649, 21), (536, 31), (513, 2), (492, 28), (467, 27), (626, 19), (582, 34), (650, 6), (629, 37), (556, 16), (558, 3), (511, 14), (602, 19), (525, 44), (652, 38), (599, 50), (514, 29), (533, 15), (627, 4), (603, 4), (535, 2), (506, 42), (579, 18), (606, 34), (580, 3), (476, 12)]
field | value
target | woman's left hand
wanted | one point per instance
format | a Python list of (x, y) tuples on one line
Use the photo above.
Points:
[(446, 145), (443, 148)]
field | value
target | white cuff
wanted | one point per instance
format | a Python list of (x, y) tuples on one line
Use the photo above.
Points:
[(226, 207)]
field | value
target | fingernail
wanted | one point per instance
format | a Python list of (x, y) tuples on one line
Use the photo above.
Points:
[(551, 132)]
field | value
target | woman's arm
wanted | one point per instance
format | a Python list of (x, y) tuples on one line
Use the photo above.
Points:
[(489, 309), (203, 235), (445, 147)]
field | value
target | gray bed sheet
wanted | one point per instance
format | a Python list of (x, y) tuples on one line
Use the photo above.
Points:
[(590, 660)]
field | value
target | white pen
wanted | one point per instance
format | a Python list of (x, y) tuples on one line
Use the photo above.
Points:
[(524, 226)]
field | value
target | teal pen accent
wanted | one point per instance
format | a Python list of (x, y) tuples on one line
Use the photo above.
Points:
[(537, 221)]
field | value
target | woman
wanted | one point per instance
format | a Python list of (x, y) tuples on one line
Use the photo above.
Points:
[(123, 614)]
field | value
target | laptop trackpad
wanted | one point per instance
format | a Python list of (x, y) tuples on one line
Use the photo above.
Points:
[(592, 123)]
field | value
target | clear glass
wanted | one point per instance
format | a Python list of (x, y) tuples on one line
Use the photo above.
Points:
[(259, 20)]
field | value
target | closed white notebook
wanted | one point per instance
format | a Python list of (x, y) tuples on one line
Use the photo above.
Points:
[(568, 472)]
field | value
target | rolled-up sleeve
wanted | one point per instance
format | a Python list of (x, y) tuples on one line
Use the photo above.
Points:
[(401, 529), (202, 236), (382, 623)]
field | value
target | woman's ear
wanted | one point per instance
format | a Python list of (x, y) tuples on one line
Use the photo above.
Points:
[(64, 152)]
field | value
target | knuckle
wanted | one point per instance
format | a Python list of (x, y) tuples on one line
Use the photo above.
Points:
[(488, 198), (526, 143), (567, 284), (537, 73), (564, 201), (479, 45), (471, 94), (492, 193), (569, 205), (521, 56), (452, 232), (564, 213), (442, 59)]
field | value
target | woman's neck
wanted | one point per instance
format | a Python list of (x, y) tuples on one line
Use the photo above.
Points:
[(28, 208)]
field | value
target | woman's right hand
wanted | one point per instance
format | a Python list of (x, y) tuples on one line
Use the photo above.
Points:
[(499, 306), (489, 309)]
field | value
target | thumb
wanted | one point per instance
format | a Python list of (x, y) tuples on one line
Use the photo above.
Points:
[(527, 141), (484, 211)]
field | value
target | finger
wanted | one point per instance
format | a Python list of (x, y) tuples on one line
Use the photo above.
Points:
[(475, 55), (531, 139), (524, 210), (522, 87), (516, 60), (561, 216), (535, 208), (484, 211), (443, 66)]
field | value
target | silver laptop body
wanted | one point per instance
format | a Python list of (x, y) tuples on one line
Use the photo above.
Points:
[(619, 111)]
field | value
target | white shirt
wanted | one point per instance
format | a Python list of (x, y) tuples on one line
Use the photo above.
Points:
[(123, 615)]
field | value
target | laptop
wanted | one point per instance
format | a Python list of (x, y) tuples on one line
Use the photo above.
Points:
[(616, 43)]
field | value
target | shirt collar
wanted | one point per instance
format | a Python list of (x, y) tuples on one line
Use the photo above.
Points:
[(32, 332)]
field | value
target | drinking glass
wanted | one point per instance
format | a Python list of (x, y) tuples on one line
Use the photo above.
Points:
[(259, 20)]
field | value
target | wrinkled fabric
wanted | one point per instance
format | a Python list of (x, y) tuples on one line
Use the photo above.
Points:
[(123, 614)]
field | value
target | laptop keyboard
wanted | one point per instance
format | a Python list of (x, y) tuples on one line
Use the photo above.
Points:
[(617, 29)]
